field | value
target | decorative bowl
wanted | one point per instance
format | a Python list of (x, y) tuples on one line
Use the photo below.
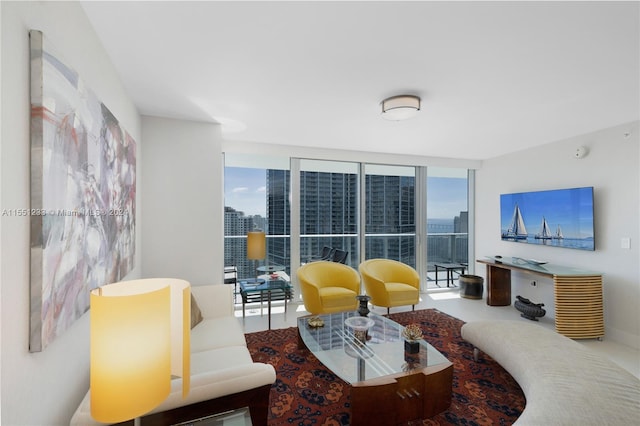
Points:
[(359, 323), (360, 327)]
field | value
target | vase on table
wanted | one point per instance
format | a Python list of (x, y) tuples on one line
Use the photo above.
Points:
[(411, 346), (363, 308)]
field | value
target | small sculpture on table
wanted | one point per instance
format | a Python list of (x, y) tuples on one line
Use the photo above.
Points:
[(315, 322), (529, 310)]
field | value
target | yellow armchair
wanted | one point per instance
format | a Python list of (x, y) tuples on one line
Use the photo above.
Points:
[(328, 287), (390, 283)]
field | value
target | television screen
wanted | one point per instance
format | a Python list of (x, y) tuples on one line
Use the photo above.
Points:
[(559, 218)]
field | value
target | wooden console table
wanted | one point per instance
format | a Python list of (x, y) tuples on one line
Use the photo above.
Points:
[(579, 312)]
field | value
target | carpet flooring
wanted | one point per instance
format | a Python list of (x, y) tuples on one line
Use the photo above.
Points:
[(307, 393)]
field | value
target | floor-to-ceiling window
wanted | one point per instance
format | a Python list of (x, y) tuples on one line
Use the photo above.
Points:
[(390, 214), (256, 194), (367, 210), (447, 219), (329, 209)]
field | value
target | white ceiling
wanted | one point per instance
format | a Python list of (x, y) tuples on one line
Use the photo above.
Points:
[(494, 77)]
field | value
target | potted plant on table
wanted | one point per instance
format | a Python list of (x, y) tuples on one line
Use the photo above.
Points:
[(412, 334)]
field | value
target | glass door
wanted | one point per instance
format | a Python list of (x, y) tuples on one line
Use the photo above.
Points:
[(390, 213), (447, 223), (256, 191), (329, 210)]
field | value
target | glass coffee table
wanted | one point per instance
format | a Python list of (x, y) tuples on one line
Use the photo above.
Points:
[(388, 384)]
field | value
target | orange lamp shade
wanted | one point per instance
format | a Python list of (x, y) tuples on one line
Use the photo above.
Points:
[(256, 245), (135, 329)]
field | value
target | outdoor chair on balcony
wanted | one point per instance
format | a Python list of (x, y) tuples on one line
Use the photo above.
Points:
[(390, 283), (325, 254), (339, 256), (328, 287)]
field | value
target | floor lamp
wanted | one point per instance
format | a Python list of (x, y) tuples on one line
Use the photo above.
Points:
[(256, 249)]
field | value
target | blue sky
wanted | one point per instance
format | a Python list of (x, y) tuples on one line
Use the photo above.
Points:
[(245, 190), (446, 197)]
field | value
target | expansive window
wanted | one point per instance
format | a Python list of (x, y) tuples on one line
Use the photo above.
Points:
[(256, 192), (329, 209), (367, 210), (390, 224)]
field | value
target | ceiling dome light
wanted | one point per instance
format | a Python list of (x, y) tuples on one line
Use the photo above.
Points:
[(400, 107)]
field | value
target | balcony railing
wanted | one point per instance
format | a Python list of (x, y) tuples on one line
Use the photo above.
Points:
[(441, 248)]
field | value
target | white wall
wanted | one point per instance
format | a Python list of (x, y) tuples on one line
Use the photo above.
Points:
[(183, 201), (612, 168), (43, 388)]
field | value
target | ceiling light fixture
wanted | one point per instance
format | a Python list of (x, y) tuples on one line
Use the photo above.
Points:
[(400, 107)]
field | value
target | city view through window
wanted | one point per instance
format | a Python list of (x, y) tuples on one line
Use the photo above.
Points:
[(329, 209)]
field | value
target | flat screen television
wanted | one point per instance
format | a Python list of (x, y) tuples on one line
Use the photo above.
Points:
[(557, 218)]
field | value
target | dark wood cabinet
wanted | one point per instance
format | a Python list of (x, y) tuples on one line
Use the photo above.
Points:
[(498, 286)]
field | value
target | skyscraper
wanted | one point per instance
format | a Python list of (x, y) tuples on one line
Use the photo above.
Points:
[(329, 215), (329, 212)]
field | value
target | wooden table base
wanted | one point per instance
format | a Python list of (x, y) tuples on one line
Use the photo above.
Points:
[(390, 400)]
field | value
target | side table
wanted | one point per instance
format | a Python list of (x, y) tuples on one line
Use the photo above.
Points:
[(450, 268), (248, 289)]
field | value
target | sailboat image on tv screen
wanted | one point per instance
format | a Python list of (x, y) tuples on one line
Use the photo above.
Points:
[(545, 231), (558, 235), (516, 229)]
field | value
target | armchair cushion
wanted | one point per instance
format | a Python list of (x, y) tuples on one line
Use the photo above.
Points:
[(220, 333), (337, 297), (401, 294)]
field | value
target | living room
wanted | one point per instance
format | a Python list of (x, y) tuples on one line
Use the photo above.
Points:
[(179, 160)]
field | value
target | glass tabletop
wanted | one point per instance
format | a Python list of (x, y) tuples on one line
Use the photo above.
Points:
[(263, 285), (270, 268), (539, 266), (335, 345)]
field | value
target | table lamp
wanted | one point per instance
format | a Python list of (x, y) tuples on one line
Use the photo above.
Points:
[(256, 247), (140, 337)]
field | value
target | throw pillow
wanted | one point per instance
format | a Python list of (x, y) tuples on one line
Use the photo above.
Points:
[(196, 315)]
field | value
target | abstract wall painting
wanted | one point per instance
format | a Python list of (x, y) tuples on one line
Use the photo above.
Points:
[(83, 195)]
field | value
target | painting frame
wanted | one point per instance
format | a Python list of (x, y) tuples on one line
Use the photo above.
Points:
[(83, 195)]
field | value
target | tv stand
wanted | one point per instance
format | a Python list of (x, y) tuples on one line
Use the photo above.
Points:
[(579, 311)]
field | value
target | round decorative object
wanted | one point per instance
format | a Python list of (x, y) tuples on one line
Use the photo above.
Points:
[(315, 322), (360, 326), (529, 310), (359, 323), (471, 286)]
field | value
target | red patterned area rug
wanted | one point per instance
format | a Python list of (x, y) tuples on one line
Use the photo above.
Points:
[(307, 393)]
